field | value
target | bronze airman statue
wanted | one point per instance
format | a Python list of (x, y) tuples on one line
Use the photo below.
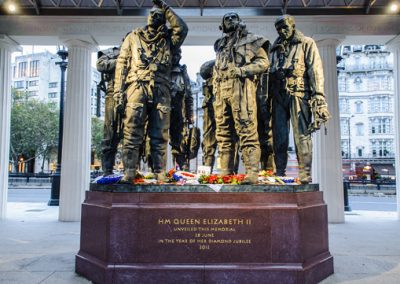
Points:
[(240, 58), (264, 123), (142, 87), (209, 143), (297, 88), (181, 110), (106, 61)]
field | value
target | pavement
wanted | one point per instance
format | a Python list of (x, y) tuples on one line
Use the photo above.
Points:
[(36, 248)]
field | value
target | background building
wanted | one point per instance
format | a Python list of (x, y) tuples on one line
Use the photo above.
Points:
[(40, 76), (366, 97)]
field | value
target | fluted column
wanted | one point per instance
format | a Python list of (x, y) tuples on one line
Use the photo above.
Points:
[(394, 46), (327, 160), (7, 46), (75, 164)]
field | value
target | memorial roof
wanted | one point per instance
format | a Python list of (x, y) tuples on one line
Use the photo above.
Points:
[(202, 7)]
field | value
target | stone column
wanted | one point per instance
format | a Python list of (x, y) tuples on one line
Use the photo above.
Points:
[(75, 164), (7, 46), (394, 46), (327, 160)]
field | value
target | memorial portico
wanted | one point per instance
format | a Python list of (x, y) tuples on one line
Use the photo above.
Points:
[(328, 31)]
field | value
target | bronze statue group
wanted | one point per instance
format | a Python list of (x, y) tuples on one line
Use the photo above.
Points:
[(252, 91)]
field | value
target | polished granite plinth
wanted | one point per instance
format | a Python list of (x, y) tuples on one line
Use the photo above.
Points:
[(193, 234)]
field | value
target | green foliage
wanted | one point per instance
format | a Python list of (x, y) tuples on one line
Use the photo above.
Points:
[(34, 127), (97, 136)]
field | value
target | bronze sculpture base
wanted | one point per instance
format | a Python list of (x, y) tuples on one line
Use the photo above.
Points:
[(157, 234)]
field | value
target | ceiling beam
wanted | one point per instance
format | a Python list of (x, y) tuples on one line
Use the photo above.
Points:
[(118, 6), (36, 5), (53, 3), (369, 5), (285, 4)]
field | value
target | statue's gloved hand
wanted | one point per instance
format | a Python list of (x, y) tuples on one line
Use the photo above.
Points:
[(190, 119), (319, 108), (235, 72), (317, 100), (160, 4), (320, 112), (118, 103)]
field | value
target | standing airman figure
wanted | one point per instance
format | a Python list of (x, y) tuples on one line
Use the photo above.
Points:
[(144, 66), (264, 123), (240, 58), (297, 88), (181, 110), (209, 143), (105, 64)]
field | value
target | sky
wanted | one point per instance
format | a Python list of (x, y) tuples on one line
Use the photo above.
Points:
[(192, 56)]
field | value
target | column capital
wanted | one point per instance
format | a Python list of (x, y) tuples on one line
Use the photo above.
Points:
[(328, 39), (85, 41), (9, 43), (394, 43)]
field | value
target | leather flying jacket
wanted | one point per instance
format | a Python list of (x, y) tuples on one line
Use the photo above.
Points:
[(147, 57), (181, 89), (248, 52), (301, 71), (106, 62)]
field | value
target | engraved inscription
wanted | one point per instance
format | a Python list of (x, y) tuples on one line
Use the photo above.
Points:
[(205, 233)]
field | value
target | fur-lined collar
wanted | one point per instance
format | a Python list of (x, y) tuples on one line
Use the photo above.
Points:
[(297, 37), (246, 38)]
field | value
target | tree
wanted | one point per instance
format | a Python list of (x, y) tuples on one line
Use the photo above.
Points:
[(34, 128), (97, 136)]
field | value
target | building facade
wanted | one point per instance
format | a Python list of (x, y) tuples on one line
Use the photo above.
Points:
[(366, 99), (39, 75)]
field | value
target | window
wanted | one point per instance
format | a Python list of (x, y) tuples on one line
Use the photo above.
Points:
[(359, 152), (379, 104), (345, 148), (19, 84), (344, 127), (53, 85), (52, 95), (33, 93), (358, 84), (359, 107), (360, 129), (381, 125), (21, 69), (342, 84), (34, 68), (382, 82), (382, 148), (14, 71), (344, 106), (33, 83)]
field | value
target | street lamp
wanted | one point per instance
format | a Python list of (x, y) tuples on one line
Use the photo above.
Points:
[(56, 177), (349, 130)]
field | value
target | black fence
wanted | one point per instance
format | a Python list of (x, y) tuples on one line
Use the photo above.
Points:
[(29, 178), (378, 184)]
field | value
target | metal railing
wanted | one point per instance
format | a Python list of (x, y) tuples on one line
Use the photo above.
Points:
[(29, 178)]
